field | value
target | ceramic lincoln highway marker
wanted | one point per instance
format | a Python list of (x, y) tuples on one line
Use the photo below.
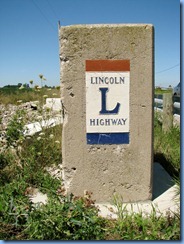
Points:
[(107, 104), (107, 101)]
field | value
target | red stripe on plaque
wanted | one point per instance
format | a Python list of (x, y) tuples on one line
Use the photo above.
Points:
[(107, 65)]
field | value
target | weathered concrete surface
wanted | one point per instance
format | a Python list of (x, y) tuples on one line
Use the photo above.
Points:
[(124, 169), (165, 199)]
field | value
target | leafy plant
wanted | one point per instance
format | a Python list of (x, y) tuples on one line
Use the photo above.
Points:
[(67, 218), (15, 128)]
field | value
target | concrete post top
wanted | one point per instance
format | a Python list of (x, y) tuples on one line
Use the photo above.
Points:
[(108, 25), (89, 26)]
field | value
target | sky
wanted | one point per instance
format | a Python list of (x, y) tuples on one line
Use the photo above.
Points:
[(29, 43)]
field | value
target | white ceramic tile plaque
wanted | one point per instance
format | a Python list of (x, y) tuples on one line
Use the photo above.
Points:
[(107, 101)]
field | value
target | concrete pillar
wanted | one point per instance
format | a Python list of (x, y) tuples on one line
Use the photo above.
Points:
[(107, 98)]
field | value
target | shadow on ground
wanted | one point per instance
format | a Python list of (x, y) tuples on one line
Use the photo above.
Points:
[(162, 181)]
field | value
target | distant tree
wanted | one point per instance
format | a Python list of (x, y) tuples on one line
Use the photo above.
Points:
[(26, 85), (19, 84), (31, 82)]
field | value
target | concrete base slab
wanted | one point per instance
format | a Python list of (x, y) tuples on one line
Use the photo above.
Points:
[(164, 199)]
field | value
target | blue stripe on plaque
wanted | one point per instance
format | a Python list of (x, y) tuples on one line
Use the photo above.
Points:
[(107, 138)]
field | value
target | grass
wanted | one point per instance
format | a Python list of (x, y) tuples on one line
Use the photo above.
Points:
[(162, 91), (12, 96), (138, 227), (167, 147), (23, 165)]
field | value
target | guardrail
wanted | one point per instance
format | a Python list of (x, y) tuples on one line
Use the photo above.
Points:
[(160, 101)]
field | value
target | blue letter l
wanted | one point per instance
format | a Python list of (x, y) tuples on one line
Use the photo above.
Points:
[(104, 109)]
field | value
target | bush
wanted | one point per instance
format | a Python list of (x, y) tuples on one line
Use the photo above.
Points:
[(3, 161), (44, 148)]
